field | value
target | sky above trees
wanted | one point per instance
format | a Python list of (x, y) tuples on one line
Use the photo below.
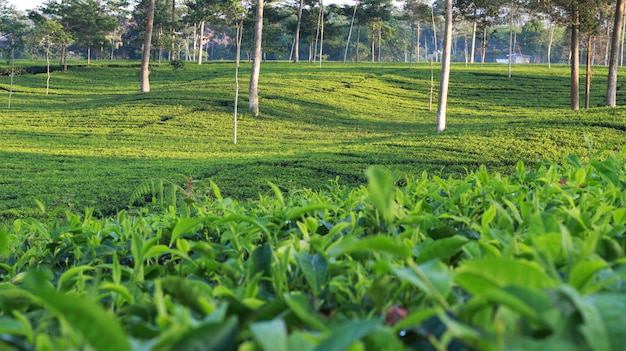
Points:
[(25, 4)]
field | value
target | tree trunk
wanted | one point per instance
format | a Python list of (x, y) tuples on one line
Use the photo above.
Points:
[(48, 67), (473, 40), (550, 40), (380, 40), (358, 42), (296, 40), (445, 70), (465, 48), (483, 52), (12, 71), (201, 52), (588, 71), (239, 25), (345, 54), (89, 55), (611, 90), (412, 46), (160, 44), (432, 85), (373, 45), (317, 33), (322, 34), (187, 52), (622, 41), (575, 85), (256, 60), (418, 41), (432, 14), (147, 43), (64, 57), (510, 43), (172, 32), (195, 41), (607, 47)]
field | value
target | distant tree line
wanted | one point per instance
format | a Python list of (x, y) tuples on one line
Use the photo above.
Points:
[(535, 31)]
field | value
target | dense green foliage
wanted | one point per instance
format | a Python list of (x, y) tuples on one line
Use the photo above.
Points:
[(95, 140), (534, 261)]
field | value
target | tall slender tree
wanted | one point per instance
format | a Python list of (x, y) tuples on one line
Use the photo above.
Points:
[(296, 40), (239, 16), (13, 27), (49, 33), (256, 60), (611, 90), (147, 46), (59, 11), (345, 54), (567, 12), (415, 12), (445, 70), (89, 24)]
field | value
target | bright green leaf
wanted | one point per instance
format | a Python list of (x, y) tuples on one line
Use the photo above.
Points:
[(272, 335), (382, 243), (382, 192), (441, 249), (100, 329), (210, 337), (434, 279), (300, 305), (184, 226), (346, 334), (315, 270), (480, 275)]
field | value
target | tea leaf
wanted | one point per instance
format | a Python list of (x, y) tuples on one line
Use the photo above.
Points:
[(346, 334), (315, 270), (302, 341), (593, 329), (611, 308), (118, 288), (4, 241), (70, 273), (210, 337), (297, 212), (441, 249), (300, 305), (262, 260), (583, 272), (100, 329), (382, 192), (184, 226), (380, 243), (479, 276), (272, 335), (188, 293), (433, 278), (11, 326)]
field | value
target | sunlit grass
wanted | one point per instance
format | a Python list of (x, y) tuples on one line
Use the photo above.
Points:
[(94, 139)]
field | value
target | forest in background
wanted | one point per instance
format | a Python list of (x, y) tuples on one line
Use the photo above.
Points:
[(378, 30)]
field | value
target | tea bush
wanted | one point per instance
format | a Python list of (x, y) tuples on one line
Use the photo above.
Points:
[(530, 261)]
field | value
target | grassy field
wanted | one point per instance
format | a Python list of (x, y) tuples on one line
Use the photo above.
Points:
[(456, 256), (94, 140)]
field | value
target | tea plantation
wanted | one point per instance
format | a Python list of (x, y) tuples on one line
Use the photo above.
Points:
[(340, 221)]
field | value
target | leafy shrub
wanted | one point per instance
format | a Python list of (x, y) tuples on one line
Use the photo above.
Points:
[(530, 261), (177, 64)]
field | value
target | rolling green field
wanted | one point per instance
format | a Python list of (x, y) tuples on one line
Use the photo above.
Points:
[(505, 232), (94, 139)]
